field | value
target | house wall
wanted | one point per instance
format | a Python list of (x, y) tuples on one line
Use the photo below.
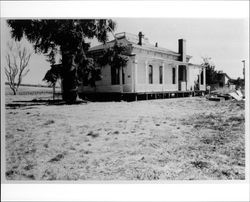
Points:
[(104, 85), (203, 87), (128, 75), (136, 75), (146, 58), (226, 80), (193, 77), (194, 72)]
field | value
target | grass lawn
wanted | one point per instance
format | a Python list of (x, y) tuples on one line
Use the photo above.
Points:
[(167, 139)]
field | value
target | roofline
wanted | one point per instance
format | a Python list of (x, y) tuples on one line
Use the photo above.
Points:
[(141, 47), (225, 74), (196, 65), (134, 45), (155, 49)]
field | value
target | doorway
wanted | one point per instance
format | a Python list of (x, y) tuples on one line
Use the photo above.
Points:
[(182, 78)]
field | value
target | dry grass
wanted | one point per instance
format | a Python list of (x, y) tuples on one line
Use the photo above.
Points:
[(184, 138)]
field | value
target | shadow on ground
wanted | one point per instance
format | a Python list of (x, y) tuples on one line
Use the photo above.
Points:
[(35, 102)]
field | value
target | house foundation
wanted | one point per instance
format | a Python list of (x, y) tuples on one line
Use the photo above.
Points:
[(129, 97)]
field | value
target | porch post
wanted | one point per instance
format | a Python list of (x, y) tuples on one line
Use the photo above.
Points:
[(146, 75), (200, 79), (187, 78), (177, 76), (135, 75), (163, 76), (204, 78)]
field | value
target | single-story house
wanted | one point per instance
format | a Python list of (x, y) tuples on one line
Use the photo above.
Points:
[(150, 70)]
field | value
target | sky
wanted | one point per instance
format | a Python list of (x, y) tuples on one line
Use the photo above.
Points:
[(225, 41)]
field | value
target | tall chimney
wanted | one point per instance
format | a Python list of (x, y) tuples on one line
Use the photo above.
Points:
[(140, 38), (182, 49)]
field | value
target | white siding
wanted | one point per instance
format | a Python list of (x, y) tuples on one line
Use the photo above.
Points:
[(141, 72), (138, 66)]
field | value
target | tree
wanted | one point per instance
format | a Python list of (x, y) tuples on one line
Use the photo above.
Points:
[(53, 75), (17, 59), (67, 38), (116, 56), (211, 73)]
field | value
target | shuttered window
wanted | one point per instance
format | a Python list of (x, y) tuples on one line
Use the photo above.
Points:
[(150, 74)]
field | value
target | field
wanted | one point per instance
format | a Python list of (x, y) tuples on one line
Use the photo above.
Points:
[(166, 139)]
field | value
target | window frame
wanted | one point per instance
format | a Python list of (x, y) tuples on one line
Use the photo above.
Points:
[(115, 76), (173, 75), (150, 74), (161, 74)]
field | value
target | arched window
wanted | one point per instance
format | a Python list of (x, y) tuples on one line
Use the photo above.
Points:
[(160, 74)]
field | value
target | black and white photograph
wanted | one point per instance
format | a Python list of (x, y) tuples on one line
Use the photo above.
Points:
[(124, 99)]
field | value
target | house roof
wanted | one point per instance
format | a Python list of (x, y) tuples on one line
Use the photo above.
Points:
[(225, 74), (131, 39)]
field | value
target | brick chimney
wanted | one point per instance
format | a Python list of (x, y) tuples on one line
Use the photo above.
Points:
[(140, 35), (182, 49)]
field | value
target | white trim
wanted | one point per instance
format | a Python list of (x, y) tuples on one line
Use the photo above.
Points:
[(163, 73), (146, 73), (177, 76), (135, 79)]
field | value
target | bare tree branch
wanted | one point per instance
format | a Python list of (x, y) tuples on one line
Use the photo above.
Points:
[(17, 60)]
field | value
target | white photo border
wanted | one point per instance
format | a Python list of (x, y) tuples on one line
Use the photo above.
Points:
[(127, 191)]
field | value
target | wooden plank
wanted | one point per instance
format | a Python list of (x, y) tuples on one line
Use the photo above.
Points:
[(239, 93), (235, 96)]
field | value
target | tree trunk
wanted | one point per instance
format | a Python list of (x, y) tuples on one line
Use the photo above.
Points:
[(69, 78), (14, 91)]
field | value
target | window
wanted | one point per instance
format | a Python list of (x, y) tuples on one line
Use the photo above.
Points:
[(202, 79), (115, 76), (173, 75), (150, 74), (160, 74)]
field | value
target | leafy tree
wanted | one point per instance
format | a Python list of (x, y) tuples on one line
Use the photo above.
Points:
[(67, 38), (53, 75), (116, 56), (17, 59), (211, 73)]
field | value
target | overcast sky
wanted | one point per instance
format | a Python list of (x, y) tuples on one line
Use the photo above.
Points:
[(224, 40)]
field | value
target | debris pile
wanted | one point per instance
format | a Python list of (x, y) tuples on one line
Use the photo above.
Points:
[(225, 95)]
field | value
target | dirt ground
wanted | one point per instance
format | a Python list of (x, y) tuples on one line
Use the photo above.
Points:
[(165, 139)]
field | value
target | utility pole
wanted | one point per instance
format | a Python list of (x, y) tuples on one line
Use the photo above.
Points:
[(243, 61)]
